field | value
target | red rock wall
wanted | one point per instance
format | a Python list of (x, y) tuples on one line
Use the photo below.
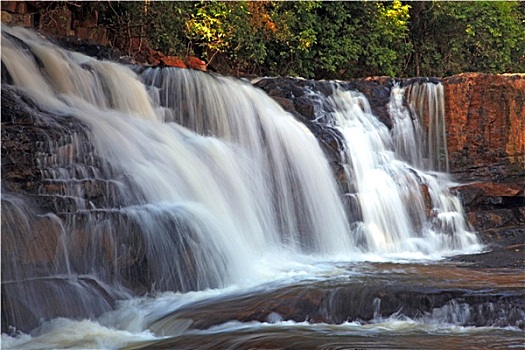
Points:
[(485, 117)]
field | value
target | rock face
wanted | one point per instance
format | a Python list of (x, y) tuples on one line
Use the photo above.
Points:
[(38, 225), (494, 209), (485, 116)]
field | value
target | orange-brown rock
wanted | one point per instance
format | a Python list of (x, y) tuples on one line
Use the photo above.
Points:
[(483, 220), (472, 193), (15, 13), (173, 61), (485, 118), (196, 63), (492, 205)]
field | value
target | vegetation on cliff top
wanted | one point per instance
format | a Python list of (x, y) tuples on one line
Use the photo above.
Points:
[(326, 39)]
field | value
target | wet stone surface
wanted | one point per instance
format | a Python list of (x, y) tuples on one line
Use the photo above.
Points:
[(440, 292)]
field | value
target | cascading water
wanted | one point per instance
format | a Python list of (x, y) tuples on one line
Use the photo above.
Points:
[(159, 180), (403, 209), (193, 210), (407, 132), (288, 185), (426, 101)]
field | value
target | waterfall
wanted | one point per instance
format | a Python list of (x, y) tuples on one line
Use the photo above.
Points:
[(427, 102), (193, 186), (403, 209), (178, 180), (407, 131)]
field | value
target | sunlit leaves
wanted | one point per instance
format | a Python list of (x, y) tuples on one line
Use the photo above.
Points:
[(331, 39)]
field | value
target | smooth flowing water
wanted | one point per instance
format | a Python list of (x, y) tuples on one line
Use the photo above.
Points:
[(172, 192)]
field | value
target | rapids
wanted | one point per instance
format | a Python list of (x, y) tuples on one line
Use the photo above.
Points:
[(208, 192)]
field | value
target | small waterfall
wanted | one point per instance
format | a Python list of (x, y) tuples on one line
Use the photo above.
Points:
[(407, 131), (177, 180), (403, 209), (427, 102)]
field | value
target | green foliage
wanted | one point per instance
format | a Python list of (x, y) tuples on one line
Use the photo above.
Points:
[(341, 39), (228, 28), (328, 39), (452, 37), (166, 28), (380, 31), (294, 49)]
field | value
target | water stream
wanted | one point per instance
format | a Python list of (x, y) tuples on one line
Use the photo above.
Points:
[(169, 194)]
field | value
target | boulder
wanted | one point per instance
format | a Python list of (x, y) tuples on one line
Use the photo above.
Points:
[(493, 208)]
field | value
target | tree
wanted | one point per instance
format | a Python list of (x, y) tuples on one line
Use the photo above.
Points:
[(340, 39), (453, 37), (328, 39), (384, 43)]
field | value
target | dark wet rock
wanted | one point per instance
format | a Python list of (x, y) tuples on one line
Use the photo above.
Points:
[(497, 212), (306, 100), (78, 298), (36, 207), (364, 300), (377, 90), (505, 249), (33, 236), (64, 213), (93, 49), (491, 205), (490, 193), (301, 94), (6, 76)]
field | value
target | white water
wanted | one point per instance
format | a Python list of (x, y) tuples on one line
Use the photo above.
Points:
[(427, 103), (225, 189), (127, 326), (261, 184), (397, 215)]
